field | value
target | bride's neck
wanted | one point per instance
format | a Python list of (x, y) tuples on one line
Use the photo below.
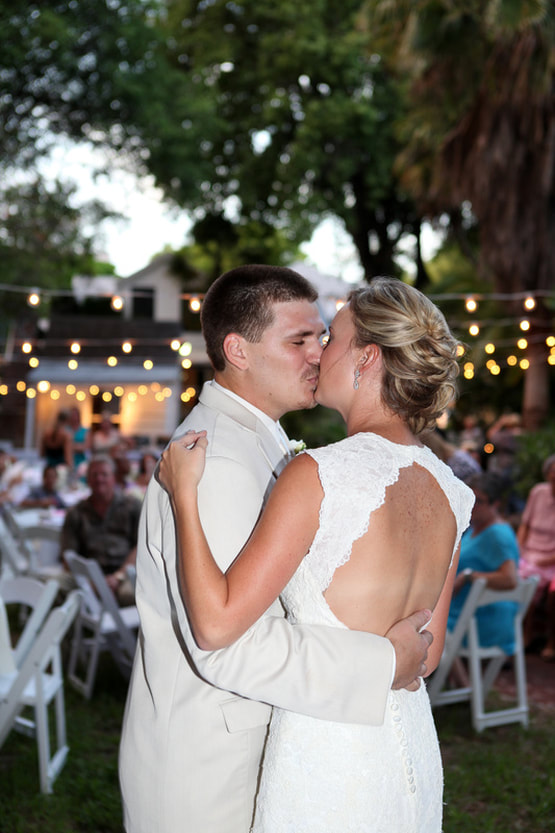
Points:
[(383, 422)]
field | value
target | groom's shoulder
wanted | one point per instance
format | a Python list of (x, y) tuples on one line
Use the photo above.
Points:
[(227, 437)]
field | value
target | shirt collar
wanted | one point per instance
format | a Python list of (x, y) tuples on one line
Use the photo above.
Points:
[(272, 425)]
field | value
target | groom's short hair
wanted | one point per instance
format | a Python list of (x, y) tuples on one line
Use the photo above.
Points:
[(241, 301)]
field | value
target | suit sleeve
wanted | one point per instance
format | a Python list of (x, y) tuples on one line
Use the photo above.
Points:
[(325, 672)]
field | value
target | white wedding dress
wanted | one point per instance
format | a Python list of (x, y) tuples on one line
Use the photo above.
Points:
[(324, 777)]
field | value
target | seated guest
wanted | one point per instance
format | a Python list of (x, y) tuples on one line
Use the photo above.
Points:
[(122, 464), (462, 463), (147, 464), (104, 526), (536, 536), (105, 437), (12, 487), (45, 495), (489, 550)]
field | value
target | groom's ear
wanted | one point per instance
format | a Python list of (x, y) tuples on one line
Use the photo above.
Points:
[(234, 351)]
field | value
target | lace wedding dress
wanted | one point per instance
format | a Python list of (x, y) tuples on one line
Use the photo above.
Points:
[(324, 777)]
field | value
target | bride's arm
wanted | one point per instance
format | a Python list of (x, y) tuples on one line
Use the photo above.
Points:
[(222, 606), (438, 625)]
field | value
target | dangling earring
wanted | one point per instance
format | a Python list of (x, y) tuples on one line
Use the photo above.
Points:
[(357, 377)]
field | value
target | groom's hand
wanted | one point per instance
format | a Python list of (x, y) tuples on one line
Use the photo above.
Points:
[(411, 645)]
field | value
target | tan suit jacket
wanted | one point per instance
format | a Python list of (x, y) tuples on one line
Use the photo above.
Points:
[(191, 749)]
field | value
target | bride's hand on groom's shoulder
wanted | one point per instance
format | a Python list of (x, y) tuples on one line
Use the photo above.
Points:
[(182, 463)]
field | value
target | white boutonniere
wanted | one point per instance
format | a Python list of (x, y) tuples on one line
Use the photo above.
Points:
[(296, 446)]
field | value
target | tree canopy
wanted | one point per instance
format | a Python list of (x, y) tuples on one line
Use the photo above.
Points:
[(268, 117), (42, 240), (480, 131)]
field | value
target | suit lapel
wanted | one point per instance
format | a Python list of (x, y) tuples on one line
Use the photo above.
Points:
[(269, 447)]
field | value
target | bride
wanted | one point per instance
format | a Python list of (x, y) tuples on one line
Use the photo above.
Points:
[(355, 535)]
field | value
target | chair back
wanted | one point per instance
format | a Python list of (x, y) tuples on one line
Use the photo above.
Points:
[(41, 654), (88, 568), (37, 598), (464, 642), (14, 560)]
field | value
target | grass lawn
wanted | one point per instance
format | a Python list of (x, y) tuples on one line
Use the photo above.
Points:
[(500, 781)]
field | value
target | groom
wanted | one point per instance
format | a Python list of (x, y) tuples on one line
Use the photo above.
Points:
[(191, 749)]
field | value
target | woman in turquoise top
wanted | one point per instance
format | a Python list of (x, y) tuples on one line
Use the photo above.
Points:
[(489, 549), (79, 437)]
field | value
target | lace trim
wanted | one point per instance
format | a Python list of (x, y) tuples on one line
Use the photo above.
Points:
[(345, 469)]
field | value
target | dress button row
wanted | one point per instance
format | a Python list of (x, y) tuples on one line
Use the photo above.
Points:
[(407, 760)]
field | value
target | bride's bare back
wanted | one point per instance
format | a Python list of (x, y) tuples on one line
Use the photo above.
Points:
[(400, 564)]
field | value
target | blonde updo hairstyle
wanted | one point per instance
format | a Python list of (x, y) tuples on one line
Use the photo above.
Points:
[(419, 352)]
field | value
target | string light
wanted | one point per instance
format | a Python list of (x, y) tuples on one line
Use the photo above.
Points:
[(185, 348), (33, 299)]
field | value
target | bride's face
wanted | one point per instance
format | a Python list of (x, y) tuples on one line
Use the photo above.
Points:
[(337, 363)]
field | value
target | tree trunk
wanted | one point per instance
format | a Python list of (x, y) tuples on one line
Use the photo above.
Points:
[(535, 398)]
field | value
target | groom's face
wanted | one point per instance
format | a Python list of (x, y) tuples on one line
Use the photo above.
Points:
[(284, 364)]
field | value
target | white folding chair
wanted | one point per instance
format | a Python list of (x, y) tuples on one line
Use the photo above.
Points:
[(101, 625), (13, 560), (41, 546), (36, 684), (35, 599), (482, 677)]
